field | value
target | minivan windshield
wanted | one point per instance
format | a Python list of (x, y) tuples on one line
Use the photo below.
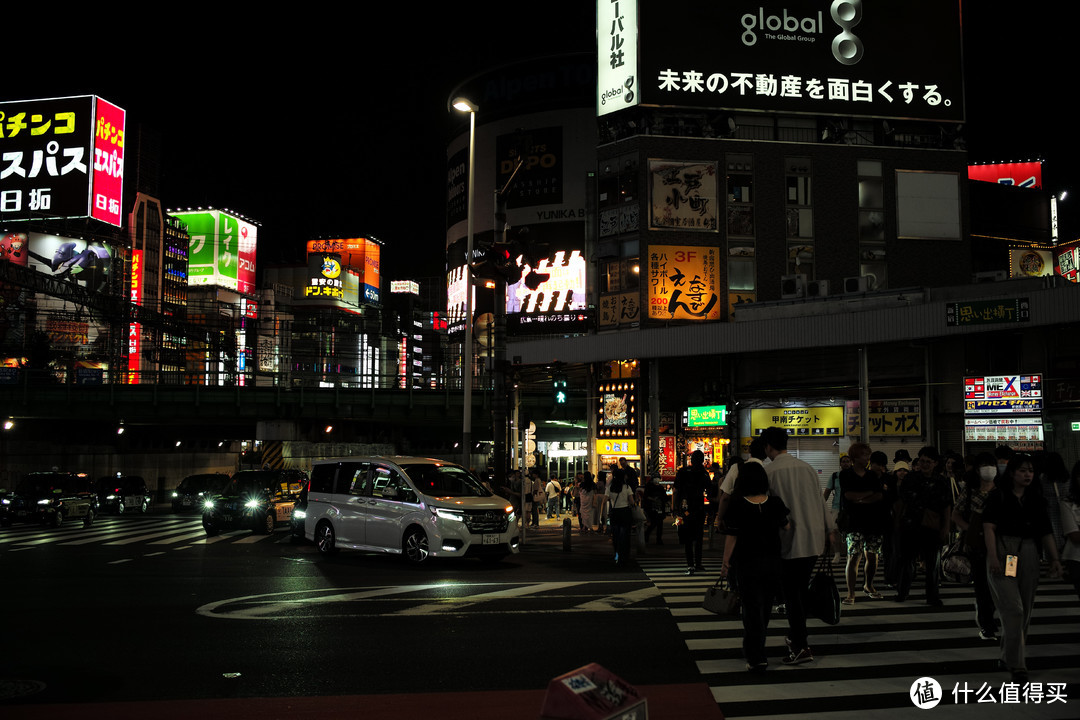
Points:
[(445, 481)]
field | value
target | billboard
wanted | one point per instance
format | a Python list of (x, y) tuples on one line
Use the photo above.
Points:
[(1003, 395), (822, 57), (325, 276), (360, 254), (61, 157), (134, 330), (222, 250), (83, 262), (684, 283), (1017, 174)]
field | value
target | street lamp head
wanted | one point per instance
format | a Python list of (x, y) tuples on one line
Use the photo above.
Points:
[(463, 104)]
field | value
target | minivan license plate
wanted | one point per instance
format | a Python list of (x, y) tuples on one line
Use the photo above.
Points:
[(491, 539)]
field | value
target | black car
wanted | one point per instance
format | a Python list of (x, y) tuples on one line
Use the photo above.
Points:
[(50, 498), (256, 499), (194, 489), (299, 515), (123, 493)]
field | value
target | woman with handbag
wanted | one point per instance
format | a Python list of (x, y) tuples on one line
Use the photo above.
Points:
[(1016, 523), (967, 515), (752, 552)]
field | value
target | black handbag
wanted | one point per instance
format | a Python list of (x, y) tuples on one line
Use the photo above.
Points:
[(721, 598), (822, 597)]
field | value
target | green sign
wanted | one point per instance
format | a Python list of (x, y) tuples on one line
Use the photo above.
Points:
[(706, 416)]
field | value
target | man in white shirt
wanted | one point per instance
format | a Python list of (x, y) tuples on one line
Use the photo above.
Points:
[(796, 483), (554, 491)]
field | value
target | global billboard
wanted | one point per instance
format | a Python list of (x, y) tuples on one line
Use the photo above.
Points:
[(822, 57), (222, 250), (61, 157)]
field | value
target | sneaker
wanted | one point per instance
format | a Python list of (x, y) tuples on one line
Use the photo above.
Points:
[(689, 571), (988, 635), (781, 609), (803, 656), (758, 667), (699, 568)]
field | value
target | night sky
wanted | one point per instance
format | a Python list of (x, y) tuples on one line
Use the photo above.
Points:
[(316, 124)]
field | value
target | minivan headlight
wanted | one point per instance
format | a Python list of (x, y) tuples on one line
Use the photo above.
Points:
[(448, 514)]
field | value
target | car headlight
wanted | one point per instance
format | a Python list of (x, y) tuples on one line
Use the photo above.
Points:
[(110, 497), (298, 514), (5, 501), (175, 494), (252, 504), (447, 514), (208, 504), (46, 501)]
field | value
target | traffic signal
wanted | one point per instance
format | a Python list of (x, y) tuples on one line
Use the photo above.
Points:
[(559, 386), (499, 261)]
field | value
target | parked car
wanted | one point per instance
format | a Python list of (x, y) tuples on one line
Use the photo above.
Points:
[(255, 499), (417, 507), (299, 515), (193, 489), (123, 493), (51, 498)]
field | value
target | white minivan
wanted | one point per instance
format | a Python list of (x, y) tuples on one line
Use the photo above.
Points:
[(419, 507)]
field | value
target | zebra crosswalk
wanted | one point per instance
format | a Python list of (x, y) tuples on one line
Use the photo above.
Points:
[(866, 666), (149, 530)]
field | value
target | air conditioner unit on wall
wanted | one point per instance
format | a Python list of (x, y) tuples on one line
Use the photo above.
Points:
[(817, 288), (792, 286), (856, 284)]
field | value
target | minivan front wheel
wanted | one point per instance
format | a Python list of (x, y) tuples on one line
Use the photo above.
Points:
[(324, 538), (416, 546)]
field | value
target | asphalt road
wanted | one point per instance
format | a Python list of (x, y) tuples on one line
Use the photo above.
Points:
[(143, 608)]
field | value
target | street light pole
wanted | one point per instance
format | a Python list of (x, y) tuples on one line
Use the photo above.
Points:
[(464, 105)]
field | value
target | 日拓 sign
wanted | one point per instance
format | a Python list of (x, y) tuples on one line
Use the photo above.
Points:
[(706, 416)]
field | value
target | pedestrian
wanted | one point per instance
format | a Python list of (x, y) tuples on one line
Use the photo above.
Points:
[(757, 455), (1016, 524), (653, 499), (688, 506), (865, 520), (585, 497), (890, 547), (1053, 478), (630, 473), (833, 488), (926, 499), (752, 555), (553, 490), (600, 502), (1070, 528), (796, 484), (968, 516), (621, 497)]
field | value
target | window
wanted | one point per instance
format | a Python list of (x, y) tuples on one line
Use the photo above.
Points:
[(390, 485), (799, 217), (872, 263), (740, 195)]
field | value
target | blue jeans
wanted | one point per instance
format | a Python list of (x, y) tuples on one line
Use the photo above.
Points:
[(553, 506)]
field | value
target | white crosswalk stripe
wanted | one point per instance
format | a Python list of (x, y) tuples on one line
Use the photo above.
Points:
[(113, 531), (865, 666)]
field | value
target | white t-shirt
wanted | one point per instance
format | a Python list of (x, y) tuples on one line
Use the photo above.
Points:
[(1070, 523), (553, 489)]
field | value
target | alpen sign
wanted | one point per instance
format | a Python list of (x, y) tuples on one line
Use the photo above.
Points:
[(843, 57)]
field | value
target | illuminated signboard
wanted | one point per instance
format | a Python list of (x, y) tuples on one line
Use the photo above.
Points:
[(618, 410), (1021, 174), (1068, 263), (563, 291), (850, 58), (1003, 395), (1003, 430), (683, 283), (706, 416), (222, 250), (325, 276), (133, 330), (799, 421), (360, 254), (406, 287), (62, 157), (1030, 263)]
